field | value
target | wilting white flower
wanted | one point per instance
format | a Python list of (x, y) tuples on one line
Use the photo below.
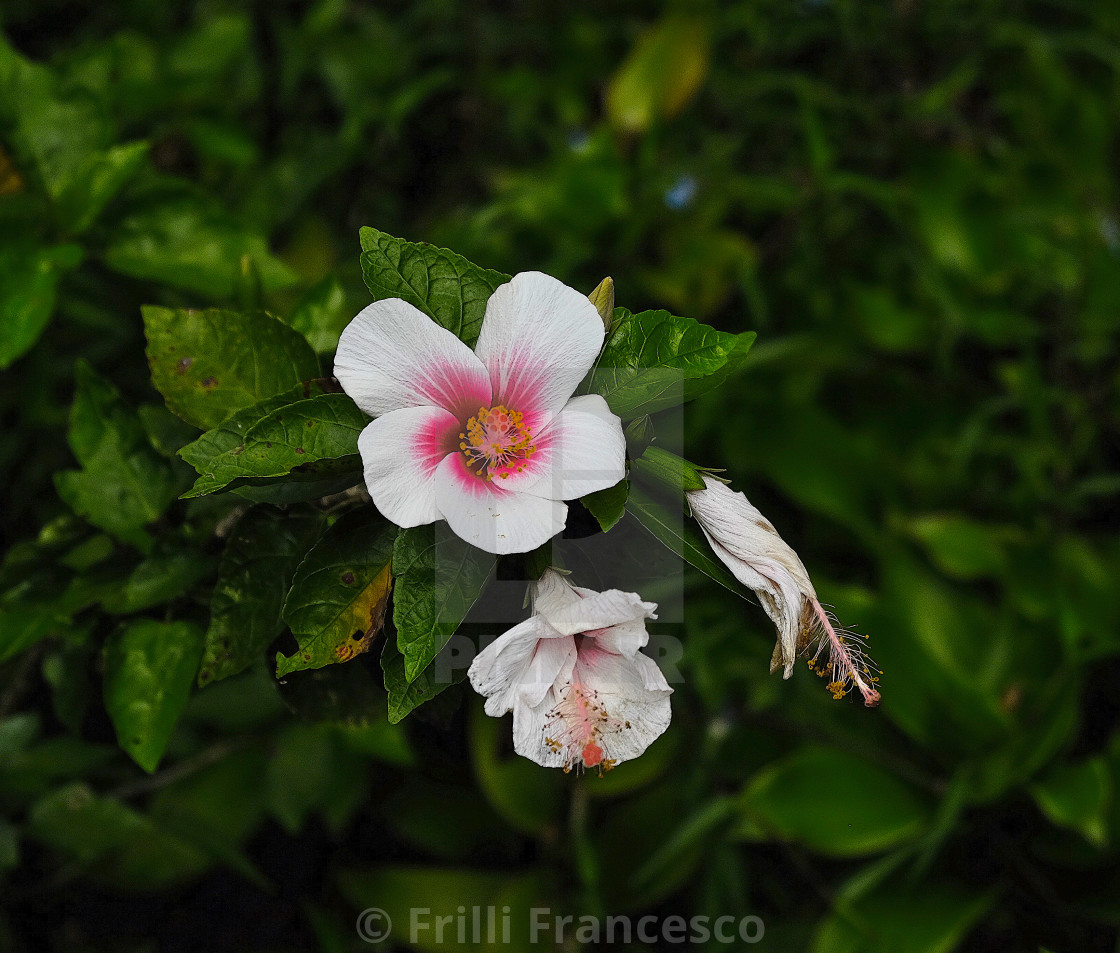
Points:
[(747, 543), (581, 692), (490, 440)]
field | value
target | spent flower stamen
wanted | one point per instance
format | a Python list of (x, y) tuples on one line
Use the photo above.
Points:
[(848, 666)]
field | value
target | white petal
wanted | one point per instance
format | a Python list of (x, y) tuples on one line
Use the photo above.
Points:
[(539, 339), (400, 452), (581, 450), (552, 593), (526, 659), (550, 664), (393, 355), (598, 611), (531, 726), (491, 518), (632, 693), (624, 639)]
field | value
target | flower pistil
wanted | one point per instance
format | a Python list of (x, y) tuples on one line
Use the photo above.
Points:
[(496, 441)]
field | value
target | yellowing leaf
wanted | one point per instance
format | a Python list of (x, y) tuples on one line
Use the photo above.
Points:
[(337, 602), (661, 74)]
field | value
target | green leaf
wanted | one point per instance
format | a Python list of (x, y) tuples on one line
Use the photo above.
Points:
[(668, 472), (188, 241), (94, 183), (404, 696), (123, 845), (888, 915), (123, 484), (258, 565), (209, 364), (166, 432), (439, 577), (321, 315), (340, 592), (23, 625), (655, 360), (149, 669), (670, 528), (55, 130), (28, 282), (528, 799), (442, 284), (308, 440), (230, 433), (962, 547), (639, 435), (158, 579), (1079, 797), (834, 803), (608, 506)]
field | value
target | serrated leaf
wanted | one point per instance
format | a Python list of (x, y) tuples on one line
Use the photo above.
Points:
[(439, 578), (28, 281), (444, 285), (654, 360), (674, 532), (149, 669), (123, 484), (340, 592), (210, 364), (608, 506), (307, 440), (256, 572), (405, 696), (230, 433)]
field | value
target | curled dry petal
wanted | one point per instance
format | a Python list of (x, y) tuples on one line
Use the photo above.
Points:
[(747, 543)]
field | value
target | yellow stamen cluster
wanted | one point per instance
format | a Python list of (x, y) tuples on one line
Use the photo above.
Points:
[(496, 440)]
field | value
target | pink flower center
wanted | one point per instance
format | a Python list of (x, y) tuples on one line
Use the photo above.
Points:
[(579, 723), (496, 442)]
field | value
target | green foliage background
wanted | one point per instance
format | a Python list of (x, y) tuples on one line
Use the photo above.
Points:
[(915, 207)]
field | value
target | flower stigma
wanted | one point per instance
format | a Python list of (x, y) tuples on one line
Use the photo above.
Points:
[(583, 720), (848, 666), (496, 442)]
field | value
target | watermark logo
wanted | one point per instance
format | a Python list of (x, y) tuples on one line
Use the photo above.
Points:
[(495, 925), (374, 925)]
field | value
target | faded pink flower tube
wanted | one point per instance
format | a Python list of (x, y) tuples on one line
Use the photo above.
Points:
[(747, 543), (582, 693)]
